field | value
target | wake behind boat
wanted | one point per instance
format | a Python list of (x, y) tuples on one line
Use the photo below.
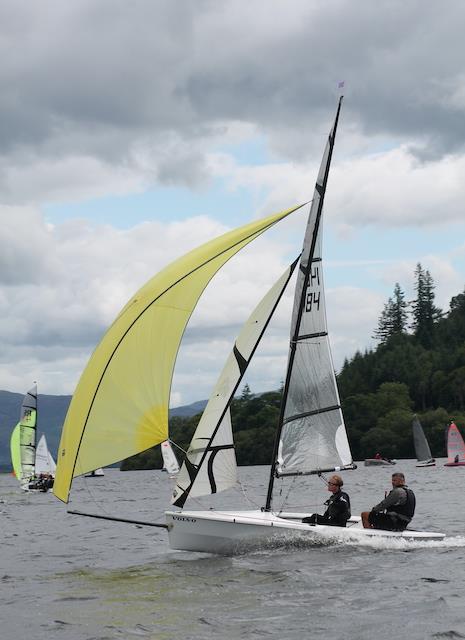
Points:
[(137, 355)]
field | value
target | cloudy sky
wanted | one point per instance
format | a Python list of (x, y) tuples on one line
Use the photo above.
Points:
[(132, 132)]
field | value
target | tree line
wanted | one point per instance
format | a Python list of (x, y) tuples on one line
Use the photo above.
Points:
[(417, 367)]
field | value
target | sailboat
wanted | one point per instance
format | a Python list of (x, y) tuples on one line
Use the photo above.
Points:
[(455, 447), (45, 464), (141, 346), (33, 465), (422, 449), (170, 462), (96, 473)]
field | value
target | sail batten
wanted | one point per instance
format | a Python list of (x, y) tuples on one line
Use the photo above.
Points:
[(315, 412), (120, 406)]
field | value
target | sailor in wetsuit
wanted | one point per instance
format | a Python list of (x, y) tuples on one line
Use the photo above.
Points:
[(395, 511), (338, 506)]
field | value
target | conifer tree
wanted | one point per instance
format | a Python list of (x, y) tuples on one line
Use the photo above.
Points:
[(424, 312), (393, 318), (399, 311)]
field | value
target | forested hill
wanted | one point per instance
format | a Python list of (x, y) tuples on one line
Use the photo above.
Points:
[(417, 367)]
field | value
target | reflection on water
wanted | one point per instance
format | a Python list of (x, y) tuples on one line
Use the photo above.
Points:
[(74, 578)]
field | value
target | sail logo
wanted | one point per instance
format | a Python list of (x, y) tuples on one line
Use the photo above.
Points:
[(184, 519), (312, 299)]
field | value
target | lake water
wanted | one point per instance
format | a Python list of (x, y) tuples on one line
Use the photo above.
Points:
[(73, 578)]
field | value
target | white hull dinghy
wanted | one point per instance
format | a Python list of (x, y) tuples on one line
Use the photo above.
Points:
[(137, 355), (227, 533)]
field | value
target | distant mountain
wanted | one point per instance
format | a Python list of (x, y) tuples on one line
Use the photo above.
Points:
[(51, 415)]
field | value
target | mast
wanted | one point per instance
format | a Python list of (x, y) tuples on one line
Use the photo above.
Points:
[(319, 192)]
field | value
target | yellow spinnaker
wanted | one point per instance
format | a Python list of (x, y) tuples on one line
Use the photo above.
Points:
[(120, 406)]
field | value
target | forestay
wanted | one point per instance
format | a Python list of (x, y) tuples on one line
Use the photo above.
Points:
[(120, 406), (210, 464)]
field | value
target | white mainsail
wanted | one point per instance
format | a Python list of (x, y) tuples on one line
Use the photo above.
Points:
[(44, 460), (210, 464), (313, 435), (170, 462)]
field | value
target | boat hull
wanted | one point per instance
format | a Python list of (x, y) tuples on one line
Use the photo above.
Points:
[(425, 463), (374, 462), (455, 464), (227, 533)]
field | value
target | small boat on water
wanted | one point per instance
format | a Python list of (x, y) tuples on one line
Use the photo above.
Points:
[(97, 473), (33, 464), (170, 461), (137, 355), (422, 448), (378, 462), (455, 447)]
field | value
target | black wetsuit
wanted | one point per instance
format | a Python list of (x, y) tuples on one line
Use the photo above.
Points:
[(395, 511), (337, 512)]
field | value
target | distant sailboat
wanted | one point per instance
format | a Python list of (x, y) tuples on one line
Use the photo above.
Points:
[(378, 462), (45, 464), (31, 463), (97, 473), (170, 462), (455, 447), (422, 449)]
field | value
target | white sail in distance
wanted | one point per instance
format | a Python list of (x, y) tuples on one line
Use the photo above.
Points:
[(170, 462), (44, 460)]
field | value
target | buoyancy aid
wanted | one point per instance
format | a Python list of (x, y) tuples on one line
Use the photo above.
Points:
[(406, 510)]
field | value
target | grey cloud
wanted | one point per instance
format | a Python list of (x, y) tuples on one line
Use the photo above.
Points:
[(101, 78)]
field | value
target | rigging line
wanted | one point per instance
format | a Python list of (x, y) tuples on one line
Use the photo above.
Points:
[(177, 446), (249, 500), (92, 497), (287, 495)]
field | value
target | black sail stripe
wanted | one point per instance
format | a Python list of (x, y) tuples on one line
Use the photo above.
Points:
[(215, 450), (298, 416), (241, 361), (320, 334)]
